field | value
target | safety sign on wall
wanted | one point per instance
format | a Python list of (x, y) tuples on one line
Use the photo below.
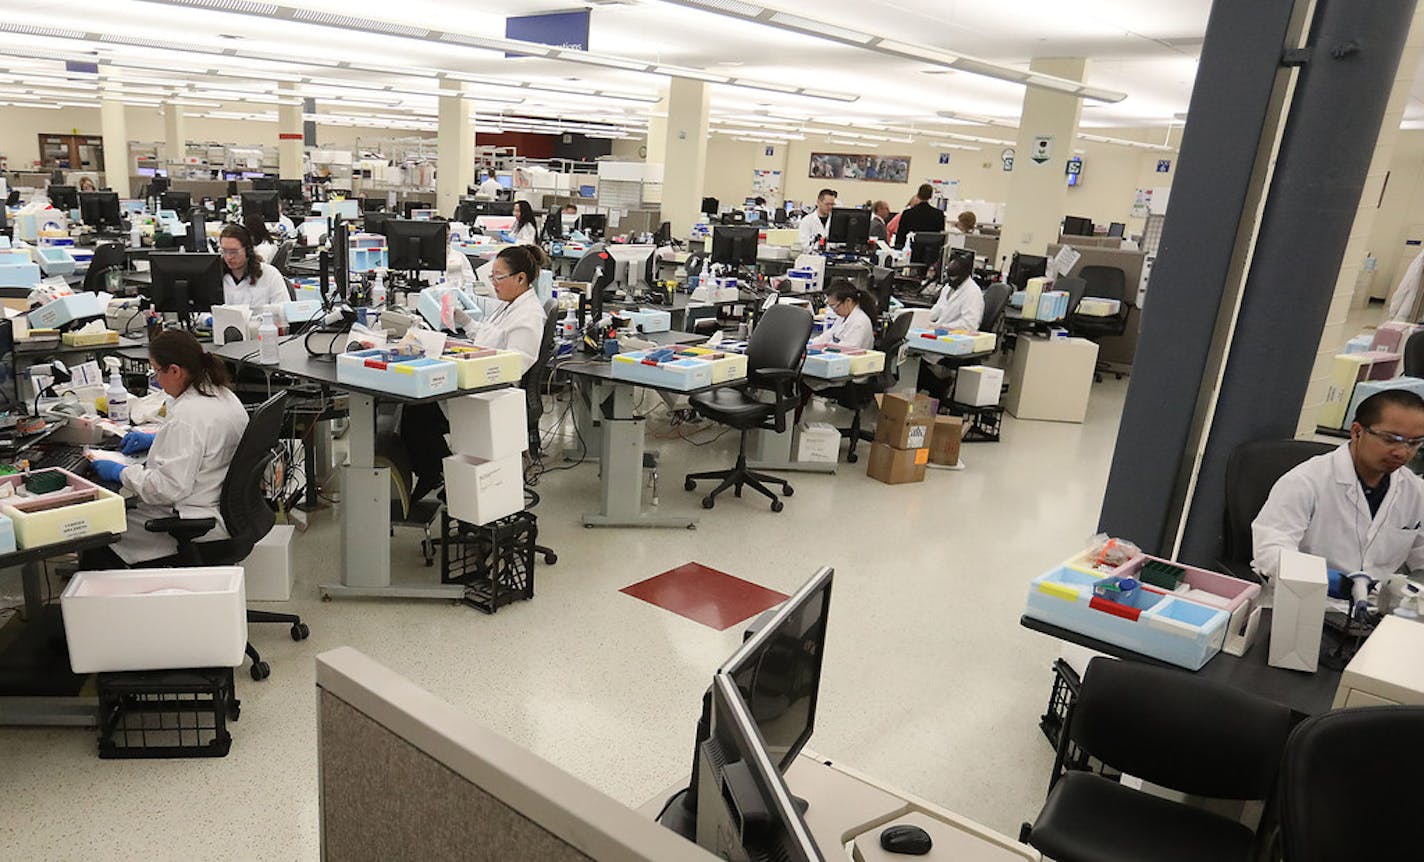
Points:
[(1042, 149)]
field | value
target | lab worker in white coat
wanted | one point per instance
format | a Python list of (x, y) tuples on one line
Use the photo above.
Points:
[(525, 232), (961, 300), (246, 279), (816, 224), (1401, 304), (188, 457), (1353, 506), (853, 327), (489, 188)]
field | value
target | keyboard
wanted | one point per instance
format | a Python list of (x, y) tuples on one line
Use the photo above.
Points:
[(65, 456)]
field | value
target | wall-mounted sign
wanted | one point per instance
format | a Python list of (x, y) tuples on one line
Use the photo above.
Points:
[(1164, 165), (944, 158), (771, 151), (1008, 158), (560, 29), (1042, 148)]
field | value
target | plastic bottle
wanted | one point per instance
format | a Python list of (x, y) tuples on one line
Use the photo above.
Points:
[(118, 399), (267, 341), (378, 291), (135, 235), (570, 324)]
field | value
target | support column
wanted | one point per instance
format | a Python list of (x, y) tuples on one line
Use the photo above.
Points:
[(114, 130), (289, 136), (657, 129), (684, 153), (175, 136), (455, 170), (1038, 190)]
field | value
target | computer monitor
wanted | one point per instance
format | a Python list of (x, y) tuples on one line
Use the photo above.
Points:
[(499, 208), (1116, 229), (663, 235), (290, 191), (263, 183), (264, 202), (735, 245), (927, 247), (375, 222), (100, 210), (849, 227), (63, 197), (422, 214), (179, 202), (185, 283), (593, 224), (1022, 267), (780, 216), (158, 184), (373, 205), (710, 206), (734, 217), (506, 180), (416, 245), (1077, 226)]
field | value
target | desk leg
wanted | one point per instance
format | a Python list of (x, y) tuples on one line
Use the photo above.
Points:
[(772, 451), (622, 468), (366, 520), (32, 583), (586, 394)]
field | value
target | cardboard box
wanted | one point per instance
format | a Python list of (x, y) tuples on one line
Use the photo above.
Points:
[(818, 442), (268, 569), (978, 385), (478, 491), (1299, 612), (897, 466), (948, 433), (489, 425), (904, 422)]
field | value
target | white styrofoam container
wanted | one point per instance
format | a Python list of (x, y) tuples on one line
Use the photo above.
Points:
[(978, 385), (414, 377), (685, 374), (268, 571), (478, 491), (155, 619), (7, 535), (483, 366), (725, 366), (818, 442), (66, 309), (489, 425), (825, 365)]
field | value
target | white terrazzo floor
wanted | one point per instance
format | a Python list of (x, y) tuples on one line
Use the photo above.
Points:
[(930, 684)]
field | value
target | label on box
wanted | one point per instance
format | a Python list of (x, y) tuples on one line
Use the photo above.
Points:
[(75, 529), (438, 379), (922, 456), (492, 374), (491, 479), (915, 436)]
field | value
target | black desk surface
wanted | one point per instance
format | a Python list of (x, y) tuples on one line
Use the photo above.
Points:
[(58, 549), (1305, 693)]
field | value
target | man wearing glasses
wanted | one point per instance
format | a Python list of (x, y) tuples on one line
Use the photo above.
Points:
[(1353, 506)]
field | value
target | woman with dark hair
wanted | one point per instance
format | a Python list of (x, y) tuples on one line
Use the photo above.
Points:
[(855, 311), (188, 456), (245, 280), (525, 231), (262, 240)]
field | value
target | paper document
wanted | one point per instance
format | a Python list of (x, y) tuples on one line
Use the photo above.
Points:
[(1066, 259)]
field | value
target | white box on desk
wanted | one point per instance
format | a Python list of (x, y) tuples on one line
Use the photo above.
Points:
[(268, 569), (155, 619), (818, 442), (489, 425), (478, 491), (7, 535), (1299, 613), (978, 385), (230, 323)]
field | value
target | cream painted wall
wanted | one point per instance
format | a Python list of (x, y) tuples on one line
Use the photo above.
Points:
[(1401, 215)]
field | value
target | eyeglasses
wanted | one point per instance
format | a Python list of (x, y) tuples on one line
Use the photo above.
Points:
[(232, 252), (499, 278), (1396, 440)]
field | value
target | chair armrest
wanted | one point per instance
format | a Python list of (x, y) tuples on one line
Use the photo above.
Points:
[(182, 529), (783, 381)]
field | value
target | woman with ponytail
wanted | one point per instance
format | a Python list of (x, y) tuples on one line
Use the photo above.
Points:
[(855, 312), (188, 456)]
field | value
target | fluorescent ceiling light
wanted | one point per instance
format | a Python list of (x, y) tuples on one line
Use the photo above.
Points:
[(787, 21), (694, 74)]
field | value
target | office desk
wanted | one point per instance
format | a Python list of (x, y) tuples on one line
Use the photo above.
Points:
[(366, 487)]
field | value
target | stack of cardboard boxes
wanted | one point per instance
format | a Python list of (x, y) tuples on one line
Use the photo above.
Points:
[(901, 450)]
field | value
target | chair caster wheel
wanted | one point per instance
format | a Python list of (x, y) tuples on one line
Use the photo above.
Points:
[(326, 597), (787, 490), (260, 670), (777, 505), (689, 485), (851, 458), (736, 492), (550, 559), (708, 502), (300, 632)]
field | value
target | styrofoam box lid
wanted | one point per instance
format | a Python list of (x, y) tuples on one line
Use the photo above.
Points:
[(141, 583)]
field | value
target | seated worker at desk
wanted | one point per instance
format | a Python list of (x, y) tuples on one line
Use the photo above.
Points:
[(880, 220), (814, 225), (855, 310), (246, 279), (524, 232), (187, 458), (920, 217), (513, 320), (1352, 506), (262, 240), (966, 221), (489, 188), (960, 306)]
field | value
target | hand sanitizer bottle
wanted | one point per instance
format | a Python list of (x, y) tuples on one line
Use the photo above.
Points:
[(267, 341), (118, 399)]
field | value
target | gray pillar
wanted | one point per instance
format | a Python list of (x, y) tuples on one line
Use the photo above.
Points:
[(1324, 157)]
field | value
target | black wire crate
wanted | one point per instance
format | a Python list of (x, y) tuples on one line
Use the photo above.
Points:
[(495, 561), (1060, 699), (983, 424), (166, 713)]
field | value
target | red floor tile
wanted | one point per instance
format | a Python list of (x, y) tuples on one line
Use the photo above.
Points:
[(710, 597)]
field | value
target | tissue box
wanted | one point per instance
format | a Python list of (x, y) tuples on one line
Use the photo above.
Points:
[(89, 339), (7, 535), (81, 509), (649, 320), (1096, 306), (478, 491), (478, 367), (489, 425), (818, 442), (155, 619), (413, 377), (66, 310), (1358, 344), (665, 368), (301, 311), (726, 366), (978, 385), (267, 571), (1299, 612)]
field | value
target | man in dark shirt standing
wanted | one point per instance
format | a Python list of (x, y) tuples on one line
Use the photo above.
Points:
[(923, 217)]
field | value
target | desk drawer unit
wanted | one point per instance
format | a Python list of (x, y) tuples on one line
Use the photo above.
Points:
[(411, 376)]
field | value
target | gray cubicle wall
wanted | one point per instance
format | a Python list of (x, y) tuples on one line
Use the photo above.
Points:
[(404, 775), (1118, 350)]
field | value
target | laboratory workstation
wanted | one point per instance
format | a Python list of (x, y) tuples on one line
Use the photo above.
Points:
[(687, 429)]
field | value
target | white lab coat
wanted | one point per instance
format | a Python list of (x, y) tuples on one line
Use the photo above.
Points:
[(1319, 508), (489, 188), (527, 235), (812, 229), (959, 307), (854, 330), (517, 325), (1401, 304), (184, 471), (270, 289), (266, 251)]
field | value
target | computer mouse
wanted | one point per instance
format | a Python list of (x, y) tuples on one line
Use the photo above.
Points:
[(909, 840)]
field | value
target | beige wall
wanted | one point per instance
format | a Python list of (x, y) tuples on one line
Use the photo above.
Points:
[(1401, 215)]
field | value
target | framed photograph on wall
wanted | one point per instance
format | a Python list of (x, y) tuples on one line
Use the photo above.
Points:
[(862, 167)]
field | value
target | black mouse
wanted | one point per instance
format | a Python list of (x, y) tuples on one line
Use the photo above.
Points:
[(910, 840)]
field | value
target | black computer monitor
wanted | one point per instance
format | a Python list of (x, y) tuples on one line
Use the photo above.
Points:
[(264, 202), (373, 205), (593, 224), (780, 216), (416, 245), (1116, 229), (375, 222), (733, 217), (1077, 226), (63, 197), (185, 283), (735, 245), (849, 227), (1022, 267), (710, 206), (179, 202), (264, 184), (500, 208), (158, 184), (100, 210), (663, 235), (927, 247), (290, 191), (469, 209)]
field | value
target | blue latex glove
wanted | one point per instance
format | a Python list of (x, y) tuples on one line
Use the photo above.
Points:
[(136, 442), (109, 471)]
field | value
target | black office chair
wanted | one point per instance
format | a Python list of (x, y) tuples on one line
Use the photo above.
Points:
[(774, 355), (882, 286), (1176, 730), (108, 257), (245, 512), (996, 302), (1413, 365), (1104, 282), (1350, 785), (859, 393), (587, 265), (282, 255), (1251, 473), (532, 383)]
